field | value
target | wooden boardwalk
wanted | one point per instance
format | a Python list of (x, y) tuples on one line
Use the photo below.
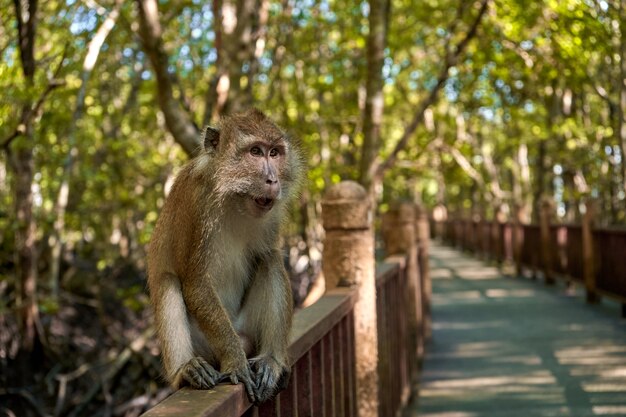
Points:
[(513, 347)]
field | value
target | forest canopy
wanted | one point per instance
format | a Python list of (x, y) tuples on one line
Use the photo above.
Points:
[(477, 106)]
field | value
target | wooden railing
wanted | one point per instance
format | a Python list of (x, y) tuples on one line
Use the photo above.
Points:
[(394, 365), (595, 259), (610, 258), (322, 376), (326, 379)]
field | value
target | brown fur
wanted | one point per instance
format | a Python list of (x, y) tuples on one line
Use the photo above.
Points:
[(221, 297)]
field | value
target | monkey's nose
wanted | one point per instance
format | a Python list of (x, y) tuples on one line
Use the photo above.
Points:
[(272, 186)]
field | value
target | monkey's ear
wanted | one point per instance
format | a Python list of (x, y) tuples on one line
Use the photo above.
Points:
[(211, 139)]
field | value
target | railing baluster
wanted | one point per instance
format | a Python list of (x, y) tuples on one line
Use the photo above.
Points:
[(303, 386), (270, 408), (338, 377), (288, 398), (329, 380), (316, 364)]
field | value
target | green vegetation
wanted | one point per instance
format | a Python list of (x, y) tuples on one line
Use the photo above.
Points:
[(486, 103)]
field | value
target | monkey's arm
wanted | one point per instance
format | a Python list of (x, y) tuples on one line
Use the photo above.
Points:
[(268, 316), (174, 331), (204, 305)]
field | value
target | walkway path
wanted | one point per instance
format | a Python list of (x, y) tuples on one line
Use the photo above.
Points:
[(512, 347)]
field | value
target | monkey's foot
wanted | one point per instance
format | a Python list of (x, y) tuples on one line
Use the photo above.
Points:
[(269, 377), (243, 375), (198, 374)]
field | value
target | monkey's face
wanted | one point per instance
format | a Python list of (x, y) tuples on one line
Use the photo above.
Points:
[(254, 162), (262, 162)]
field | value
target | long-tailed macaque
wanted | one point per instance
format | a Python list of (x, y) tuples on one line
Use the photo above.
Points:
[(222, 300)]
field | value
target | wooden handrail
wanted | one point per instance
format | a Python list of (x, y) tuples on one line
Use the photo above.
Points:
[(589, 255), (309, 326), (389, 269)]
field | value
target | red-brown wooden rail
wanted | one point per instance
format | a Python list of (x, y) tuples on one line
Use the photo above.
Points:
[(323, 372), (565, 246), (322, 379)]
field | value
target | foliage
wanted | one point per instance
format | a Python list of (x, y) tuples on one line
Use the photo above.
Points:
[(531, 108)]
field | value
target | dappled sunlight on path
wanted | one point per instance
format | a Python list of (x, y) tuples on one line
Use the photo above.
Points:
[(509, 347)]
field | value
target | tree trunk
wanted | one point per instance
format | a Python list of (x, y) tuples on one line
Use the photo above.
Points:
[(21, 159), (373, 114), (93, 50), (622, 91), (240, 27), (25, 239), (542, 171)]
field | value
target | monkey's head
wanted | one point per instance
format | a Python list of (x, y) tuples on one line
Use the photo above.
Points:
[(255, 164)]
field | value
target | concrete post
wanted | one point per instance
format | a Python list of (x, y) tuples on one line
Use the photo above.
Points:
[(545, 215), (589, 272), (423, 241), (519, 218), (476, 233), (399, 231), (440, 216), (497, 237), (348, 260)]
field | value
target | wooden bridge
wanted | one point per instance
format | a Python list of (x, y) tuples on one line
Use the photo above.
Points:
[(509, 346), (503, 343)]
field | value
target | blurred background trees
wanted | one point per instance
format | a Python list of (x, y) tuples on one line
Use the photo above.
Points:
[(465, 104)]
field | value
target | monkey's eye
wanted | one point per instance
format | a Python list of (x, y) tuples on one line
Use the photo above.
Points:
[(274, 152), (256, 151)]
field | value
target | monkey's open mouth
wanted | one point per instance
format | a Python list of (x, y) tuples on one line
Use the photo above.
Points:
[(264, 203)]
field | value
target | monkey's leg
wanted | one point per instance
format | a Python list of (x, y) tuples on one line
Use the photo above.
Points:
[(268, 316), (204, 305)]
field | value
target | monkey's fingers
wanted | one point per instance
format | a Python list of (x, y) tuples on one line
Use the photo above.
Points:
[(209, 373), (269, 377), (250, 390), (246, 380), (199, 374)]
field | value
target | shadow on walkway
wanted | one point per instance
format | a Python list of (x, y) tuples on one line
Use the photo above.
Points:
[(509, 347)]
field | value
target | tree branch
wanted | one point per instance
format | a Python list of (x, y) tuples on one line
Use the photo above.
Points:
[(177, 120), (465, 164), (28, 114), (450, 60)]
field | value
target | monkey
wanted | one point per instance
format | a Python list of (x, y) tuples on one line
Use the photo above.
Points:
[(221, 297)]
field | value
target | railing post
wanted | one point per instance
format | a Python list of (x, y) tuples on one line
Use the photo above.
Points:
[(440, 216), (497, 235), (589, 270), (400, 236), (423, 241), (545, 215), (474, 234), (348, 260), (518, 237)]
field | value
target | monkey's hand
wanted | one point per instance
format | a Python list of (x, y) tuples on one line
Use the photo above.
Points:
[(236, 372), (198, 374), (270, 377)]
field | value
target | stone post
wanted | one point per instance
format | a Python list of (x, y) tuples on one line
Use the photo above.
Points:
[(519, 218), (348, 261), (589, 272), (423, 242), (476, 233), (399, 231), (545, 215), (440, 216), (497, 237)]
